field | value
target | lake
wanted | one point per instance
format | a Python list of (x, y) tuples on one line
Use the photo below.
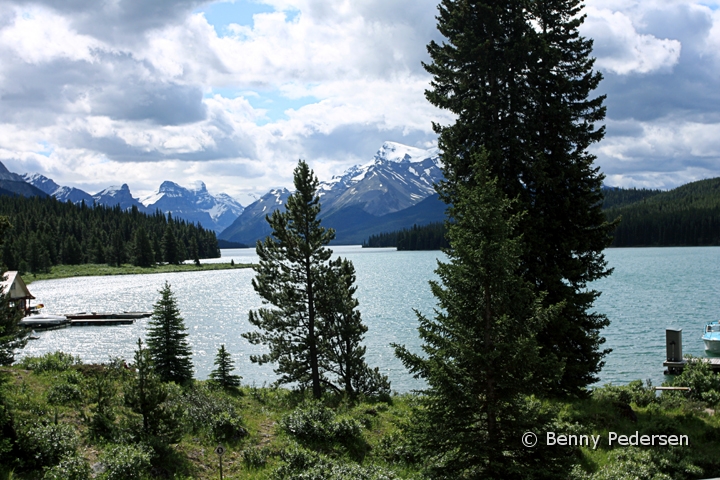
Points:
[(650, 289)]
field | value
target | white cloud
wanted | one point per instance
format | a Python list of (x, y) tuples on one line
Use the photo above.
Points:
[(94, 94), (620, 49)]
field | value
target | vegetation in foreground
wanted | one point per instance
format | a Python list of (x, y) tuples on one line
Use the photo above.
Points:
[(92, 270), (63, 419)]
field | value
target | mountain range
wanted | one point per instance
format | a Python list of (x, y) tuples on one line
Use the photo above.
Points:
[(215, 212), (393, 190)]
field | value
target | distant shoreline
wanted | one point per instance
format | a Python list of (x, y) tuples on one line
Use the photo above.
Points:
[(101, 270)]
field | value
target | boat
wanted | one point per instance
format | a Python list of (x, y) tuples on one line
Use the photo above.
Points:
[(44, 321), (711, 337)]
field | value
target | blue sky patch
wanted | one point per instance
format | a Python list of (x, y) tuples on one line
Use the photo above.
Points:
[(222, 14), (273, 102)]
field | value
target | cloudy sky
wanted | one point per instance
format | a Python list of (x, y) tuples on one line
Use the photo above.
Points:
[(96, 93)]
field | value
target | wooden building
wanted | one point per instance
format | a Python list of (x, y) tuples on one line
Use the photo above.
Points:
[(14, 286)]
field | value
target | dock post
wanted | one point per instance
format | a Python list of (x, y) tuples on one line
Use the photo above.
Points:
[(673, 342)]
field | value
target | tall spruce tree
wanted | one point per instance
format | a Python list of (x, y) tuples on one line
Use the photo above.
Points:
[(166, 340), (480, 352), (142, 252), (518, 77), (292, 263)]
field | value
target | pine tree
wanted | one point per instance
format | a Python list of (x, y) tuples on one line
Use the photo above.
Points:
[(518, 75), (480, 357), (146, 396), (142, 253), (342, 333), (292, 262), (166, 340), (222, 375), (170, 247)]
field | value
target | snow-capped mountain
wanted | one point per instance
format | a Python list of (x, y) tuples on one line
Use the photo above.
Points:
[(115, 195), (397, 178), (64, 194), (195, 205), (14, 184), (251, 224)]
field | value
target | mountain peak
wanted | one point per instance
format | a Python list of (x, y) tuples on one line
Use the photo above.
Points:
[(397, 152)]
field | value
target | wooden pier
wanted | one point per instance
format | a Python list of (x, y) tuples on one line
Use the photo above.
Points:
[(101, 322), (676, 368)]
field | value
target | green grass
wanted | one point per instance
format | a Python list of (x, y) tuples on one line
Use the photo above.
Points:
[(93, 270), (261, 411)]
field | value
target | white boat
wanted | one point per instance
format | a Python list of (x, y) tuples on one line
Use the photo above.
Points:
[(711, 337), (44, 321)]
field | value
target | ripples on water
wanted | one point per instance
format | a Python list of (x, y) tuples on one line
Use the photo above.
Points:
[(650, 289)]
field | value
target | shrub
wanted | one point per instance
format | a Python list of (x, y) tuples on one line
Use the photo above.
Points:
[(255, 457), (45, 445), (314, 422), (126, 462), (63, 394), (50, 362), (205, 411), (302, 464), (70, 468), (225, 426), (704, 384)]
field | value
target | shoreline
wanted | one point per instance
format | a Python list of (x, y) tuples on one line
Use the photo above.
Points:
[(101, 270)]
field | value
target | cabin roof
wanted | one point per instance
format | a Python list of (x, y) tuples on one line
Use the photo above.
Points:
[(14, 285)]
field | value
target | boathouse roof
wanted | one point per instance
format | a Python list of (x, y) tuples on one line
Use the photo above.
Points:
[(14, 285)]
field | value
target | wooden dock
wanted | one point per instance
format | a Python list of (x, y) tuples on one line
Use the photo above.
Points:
[(101, 322), (676, 368)]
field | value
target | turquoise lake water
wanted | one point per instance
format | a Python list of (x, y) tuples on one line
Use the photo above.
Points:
[(651, 289)]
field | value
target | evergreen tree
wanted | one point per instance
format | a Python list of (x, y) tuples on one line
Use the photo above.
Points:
[(142, 253), (146, 396), (72, 253), (481, 357), (518, 76), (222, 375), (292, 262), (170, 246), (343, 332), (166, 340), (115, 254), (193, 251)]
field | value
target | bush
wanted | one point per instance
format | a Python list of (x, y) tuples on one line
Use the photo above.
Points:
[(50, 362), (301, 464), (225, 426), (205, 411), (126, 462), (64, 394), (704, 383), (45, 445), (314, 422), (70, 468), (255, 457)]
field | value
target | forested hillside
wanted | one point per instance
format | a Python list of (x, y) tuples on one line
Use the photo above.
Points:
[(422, 237), (619, 197), (45, 232), (686, 216)]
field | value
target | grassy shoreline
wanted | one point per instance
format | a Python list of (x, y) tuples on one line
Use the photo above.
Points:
[(95, 270)]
